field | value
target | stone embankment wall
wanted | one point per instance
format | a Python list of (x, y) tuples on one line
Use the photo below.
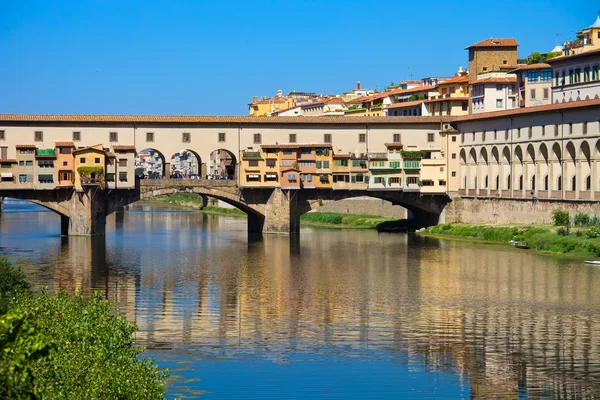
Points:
[(364, 205), (507, 212)]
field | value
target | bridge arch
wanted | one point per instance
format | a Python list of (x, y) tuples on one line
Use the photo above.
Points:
[(48, 205), (185, 163), (223, 163), (150, 163)]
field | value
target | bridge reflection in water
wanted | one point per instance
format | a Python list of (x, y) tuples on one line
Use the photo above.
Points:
[(510, 323)]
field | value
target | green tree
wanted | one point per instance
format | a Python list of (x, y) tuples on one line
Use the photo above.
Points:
[(560, 217), (94, 356), (22, 346)]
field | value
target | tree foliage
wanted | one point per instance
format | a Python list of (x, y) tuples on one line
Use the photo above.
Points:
[(65, 346), (560, 217)]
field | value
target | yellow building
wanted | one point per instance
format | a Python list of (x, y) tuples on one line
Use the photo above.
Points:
[(89, 167), (264, 106), (587, 39), (450, 97), (367, 106), (324, 161), (259, 168)]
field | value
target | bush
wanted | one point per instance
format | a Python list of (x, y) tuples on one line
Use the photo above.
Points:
[(560, 217), (12, 279), (93, 355), (22, 346), (578, 233), (562, 232), (581, 219), (593, 232), (594, 221)]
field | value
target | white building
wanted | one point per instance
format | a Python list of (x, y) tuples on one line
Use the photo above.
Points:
[(494, 91), (576, 77)]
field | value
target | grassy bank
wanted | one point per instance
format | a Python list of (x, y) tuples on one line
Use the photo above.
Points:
[(193, 201), (540, 238), (337, 220)]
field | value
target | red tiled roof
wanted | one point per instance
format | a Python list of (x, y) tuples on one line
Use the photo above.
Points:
[(8, 160), (590, 53), (110, 155), (123, 148), (495, 42), (422, 88), (529, 110), (274, 100), (160, 119), (456, 79), (25, 146), (64, 144), (394, 144), (335, 100), (341, 156), (532, 66), (406, 104), (508, 79)]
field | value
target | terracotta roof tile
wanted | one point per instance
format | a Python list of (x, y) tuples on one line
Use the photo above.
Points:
[(405, 104), (64, 144), (393, 144), (495, 42), (532, 66), (123, 148), (8, 161), (590, 53), (508, 79), (528, 110), (25, 146), (158, 119), (456, 79)]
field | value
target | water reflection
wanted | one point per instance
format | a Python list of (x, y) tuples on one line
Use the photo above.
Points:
[(507, 322)]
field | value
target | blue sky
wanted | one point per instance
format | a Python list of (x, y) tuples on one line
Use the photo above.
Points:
[(211, 57)]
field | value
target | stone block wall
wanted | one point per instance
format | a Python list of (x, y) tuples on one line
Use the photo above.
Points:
[(507, 212), (365, 205)]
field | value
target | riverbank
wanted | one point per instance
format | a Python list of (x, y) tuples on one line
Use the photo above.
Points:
[(545, 239), (338, 220), (192, 201), (316, 219)]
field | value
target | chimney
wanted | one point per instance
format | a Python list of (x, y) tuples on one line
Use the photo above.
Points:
[(358, 85), (254, 99), (460, 70)]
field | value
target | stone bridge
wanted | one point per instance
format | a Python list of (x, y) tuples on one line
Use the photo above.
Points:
[(269, 210)]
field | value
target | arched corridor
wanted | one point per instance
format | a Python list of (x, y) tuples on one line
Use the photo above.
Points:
[(552, 169)]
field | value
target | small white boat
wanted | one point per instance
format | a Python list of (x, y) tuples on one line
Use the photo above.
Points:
[(592, 262)]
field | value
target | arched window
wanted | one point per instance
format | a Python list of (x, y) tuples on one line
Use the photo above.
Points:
[(588, 183), (508, 182), (573, 183), (486, 181), (521, 182), (546, 182), (497, 182), (533, 182), (559, 183)]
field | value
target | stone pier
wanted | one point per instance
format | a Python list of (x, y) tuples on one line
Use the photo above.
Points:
[(87, 214)]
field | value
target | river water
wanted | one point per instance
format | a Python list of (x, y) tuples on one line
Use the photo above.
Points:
[(333, 314)]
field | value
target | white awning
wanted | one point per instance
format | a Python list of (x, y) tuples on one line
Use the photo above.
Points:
[(271, 175), (253, 176), (6, 175)]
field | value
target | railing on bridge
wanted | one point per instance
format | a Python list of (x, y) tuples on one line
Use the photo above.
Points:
[(187, 183)]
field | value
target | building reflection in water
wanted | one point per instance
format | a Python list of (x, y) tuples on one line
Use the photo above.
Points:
[(509, 322)]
